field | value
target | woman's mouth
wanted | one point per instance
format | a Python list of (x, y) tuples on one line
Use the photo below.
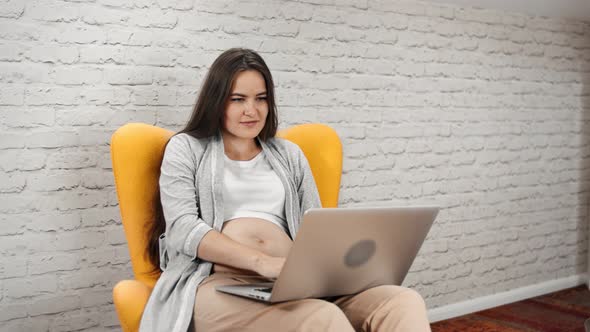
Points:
[(249, 123)]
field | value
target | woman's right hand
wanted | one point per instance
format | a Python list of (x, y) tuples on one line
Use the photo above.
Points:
[(269, 266)]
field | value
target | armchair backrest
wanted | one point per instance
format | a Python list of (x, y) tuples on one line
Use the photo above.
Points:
[(323, 150), (136, 153)]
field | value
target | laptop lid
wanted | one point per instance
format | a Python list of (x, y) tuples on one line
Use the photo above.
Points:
[(341, 251)]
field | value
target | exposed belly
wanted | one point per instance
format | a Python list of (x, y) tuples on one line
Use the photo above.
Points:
[(258, 234)]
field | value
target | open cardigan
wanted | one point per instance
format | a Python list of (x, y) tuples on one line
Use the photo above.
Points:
[(191, 189)]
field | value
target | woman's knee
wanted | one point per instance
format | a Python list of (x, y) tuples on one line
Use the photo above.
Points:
[(324, 308), (326, 315), (403, 297), (413, 299)]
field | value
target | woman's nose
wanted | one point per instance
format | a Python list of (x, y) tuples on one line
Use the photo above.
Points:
[(249, 108)]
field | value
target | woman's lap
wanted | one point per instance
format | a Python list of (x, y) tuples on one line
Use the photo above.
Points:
[(216, 311)]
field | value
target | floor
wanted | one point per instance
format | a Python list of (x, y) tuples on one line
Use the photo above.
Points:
[(561, 311)]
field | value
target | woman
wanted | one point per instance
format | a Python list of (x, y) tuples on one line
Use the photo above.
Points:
[(232, 196)]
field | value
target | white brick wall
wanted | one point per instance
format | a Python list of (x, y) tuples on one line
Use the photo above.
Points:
[(480, 111)]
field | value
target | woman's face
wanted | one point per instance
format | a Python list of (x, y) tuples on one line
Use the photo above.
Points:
[(247, 107)]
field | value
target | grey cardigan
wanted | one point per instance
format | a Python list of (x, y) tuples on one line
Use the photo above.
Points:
[(191, 194)]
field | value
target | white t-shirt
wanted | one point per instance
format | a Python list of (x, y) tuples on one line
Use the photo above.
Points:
[(251, 188)]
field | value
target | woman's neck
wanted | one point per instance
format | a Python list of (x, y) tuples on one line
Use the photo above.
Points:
[(240, 149)]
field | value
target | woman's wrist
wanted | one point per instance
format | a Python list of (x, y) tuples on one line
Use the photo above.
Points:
[(257, 261)]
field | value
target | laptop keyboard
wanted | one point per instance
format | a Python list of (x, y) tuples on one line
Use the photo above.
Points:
[(266, 290)]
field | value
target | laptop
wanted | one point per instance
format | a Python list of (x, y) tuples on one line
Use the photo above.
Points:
[(341, 251)]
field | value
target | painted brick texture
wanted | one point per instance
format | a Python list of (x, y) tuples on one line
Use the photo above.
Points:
[(482, 112)]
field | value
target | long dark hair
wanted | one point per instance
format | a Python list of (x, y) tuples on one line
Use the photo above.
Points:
[(207, 118)]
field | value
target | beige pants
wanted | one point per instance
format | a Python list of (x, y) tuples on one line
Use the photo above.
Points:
[(383, 308)]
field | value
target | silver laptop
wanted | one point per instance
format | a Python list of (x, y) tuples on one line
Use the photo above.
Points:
[(341, 251)]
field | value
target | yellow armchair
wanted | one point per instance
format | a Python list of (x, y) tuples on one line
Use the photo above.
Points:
[(136, 154)]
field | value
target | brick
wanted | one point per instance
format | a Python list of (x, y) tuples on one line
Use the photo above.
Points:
[(394, 21), (77, 76), (21, 73), (174, 4), (96, 179), (30, 287), (12, 52), (200, 22), (175, 76), (14, 245), (88, 278), (129, 37), (296, 11), (239, 26), (81, 35), (331, 15), (121, 117), (95, 15), (110, 318), (53, 54), (128, 75), (100, 257), (17, 118), (11, 311), (171, 39), (102, 54), (45, 222), (92, 298), (379, 36), (315, 31), (13, 267), (122, 258), (219, 7), (95, 138), (21, 32), (118, 4), (51, 96), (13, 224), (52, 12), (46, 263), (54, 304), (114, 96), (79, 239), (199, 60), (13, 183), (16, 159), (154, 19), (347, 34), (12, 96), (53, 181), (278, 28), (12, 9), (171, 117), (153, 96), (92, 116), (404, 7), (152, 57), (11, 140), (77, 322), (52, 139), (442, 11), (72, 159)]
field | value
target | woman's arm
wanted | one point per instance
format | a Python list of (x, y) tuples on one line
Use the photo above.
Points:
[(219, 248)]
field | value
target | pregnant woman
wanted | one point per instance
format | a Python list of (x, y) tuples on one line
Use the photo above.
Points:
[(231, 199)]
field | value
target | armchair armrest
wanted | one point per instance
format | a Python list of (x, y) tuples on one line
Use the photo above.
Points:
[(130, 298)]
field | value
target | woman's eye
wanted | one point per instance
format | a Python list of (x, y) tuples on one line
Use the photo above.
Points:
[(261, 98), (237, 99)]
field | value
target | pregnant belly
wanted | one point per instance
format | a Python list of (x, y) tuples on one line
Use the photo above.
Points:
[(258, 234)]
